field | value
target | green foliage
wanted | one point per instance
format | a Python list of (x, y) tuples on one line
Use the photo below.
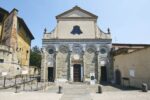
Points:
[(35, 57)]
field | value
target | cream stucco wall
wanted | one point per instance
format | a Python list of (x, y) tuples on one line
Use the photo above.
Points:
[(139, 61), (65, 27)]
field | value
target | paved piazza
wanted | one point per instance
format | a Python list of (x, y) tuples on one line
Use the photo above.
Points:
[(76, 91)]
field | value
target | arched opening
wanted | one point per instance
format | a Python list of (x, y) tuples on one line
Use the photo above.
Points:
[(118, 77)]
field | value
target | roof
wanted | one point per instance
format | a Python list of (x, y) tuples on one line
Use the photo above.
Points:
[(77, 8), (25, 26), (125, 44), (3, 10), (20, 20), (127, 48)]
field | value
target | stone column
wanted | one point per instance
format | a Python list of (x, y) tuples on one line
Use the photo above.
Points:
[(96, 66), (83, 62), (43, 65), (69, 66), (83, 77), (56, 53), (99, 66), (55, 69)]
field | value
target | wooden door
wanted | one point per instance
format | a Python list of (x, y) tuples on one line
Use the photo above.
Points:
[(103, 74), (77, 73)]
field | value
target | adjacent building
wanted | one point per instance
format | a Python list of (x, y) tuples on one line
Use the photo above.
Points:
[(77, 50), (15, 42), (131, 64)]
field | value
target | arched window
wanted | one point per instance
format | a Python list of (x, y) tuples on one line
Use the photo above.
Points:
[(76, 30)]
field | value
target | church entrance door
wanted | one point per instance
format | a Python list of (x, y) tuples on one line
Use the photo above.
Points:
[(50, 74), (103, 74), (77, 72)]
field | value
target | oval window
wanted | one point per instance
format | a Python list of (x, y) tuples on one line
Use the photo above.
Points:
[(103, 51), (51, 51)]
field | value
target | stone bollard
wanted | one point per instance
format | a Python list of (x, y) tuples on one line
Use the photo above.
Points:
[(144, 87), (99, 89), (4, 82), (59, 89), (16, 88)]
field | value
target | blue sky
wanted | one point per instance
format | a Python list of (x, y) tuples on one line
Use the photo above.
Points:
[(128, 20)]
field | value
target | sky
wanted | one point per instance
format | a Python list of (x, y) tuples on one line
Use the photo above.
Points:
[(128, 20)]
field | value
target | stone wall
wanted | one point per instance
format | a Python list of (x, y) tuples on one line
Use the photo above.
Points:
[(8, 64), (62, 66), (89, 64)]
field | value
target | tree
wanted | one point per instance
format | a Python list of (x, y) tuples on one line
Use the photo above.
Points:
[(35, 57)]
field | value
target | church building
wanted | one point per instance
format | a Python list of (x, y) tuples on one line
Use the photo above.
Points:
[(77, 50)]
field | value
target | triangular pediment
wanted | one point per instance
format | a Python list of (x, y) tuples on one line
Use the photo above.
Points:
[(76, 12)]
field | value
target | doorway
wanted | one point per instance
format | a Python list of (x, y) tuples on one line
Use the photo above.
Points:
[(103, 74), (118, 77), (77, 72), (50, 74)]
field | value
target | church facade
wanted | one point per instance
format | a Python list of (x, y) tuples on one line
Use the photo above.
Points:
[(77, 50)]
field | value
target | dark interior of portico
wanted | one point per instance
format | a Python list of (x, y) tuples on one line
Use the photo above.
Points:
[(50, 74)]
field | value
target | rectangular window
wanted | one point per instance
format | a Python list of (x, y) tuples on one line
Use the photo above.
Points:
[(1, 60)]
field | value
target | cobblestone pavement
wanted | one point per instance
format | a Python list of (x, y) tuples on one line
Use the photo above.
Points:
[(89, 92), (74, 91), (29, 96), (122, 95)]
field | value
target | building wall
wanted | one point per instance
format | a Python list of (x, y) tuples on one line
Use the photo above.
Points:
[(0, 29), (24, 47), (64, 62), (1, 24), (135, 66), (6, 55), (89, 64), (65, 27), (16, 37), (79, 45), (62, 65)]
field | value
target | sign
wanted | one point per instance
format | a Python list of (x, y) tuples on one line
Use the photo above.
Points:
[(92, 78), (4, 73), (24, 72), (132, 73), (50, 64), (102, 62)]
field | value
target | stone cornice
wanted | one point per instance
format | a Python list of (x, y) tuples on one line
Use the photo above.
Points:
[(75, 40), (76, 8)]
